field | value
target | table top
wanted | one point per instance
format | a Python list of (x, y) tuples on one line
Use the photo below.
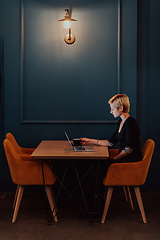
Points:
[(62, 150)]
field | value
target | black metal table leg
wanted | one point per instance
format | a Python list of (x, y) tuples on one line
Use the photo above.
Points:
[(95, 193), (90, 219)]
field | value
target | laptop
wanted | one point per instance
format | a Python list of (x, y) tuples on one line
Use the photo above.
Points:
[(79, 148)]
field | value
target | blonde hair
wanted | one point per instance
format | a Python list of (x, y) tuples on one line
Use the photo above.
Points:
[(120, 100)]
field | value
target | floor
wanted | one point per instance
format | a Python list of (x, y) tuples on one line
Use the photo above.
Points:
[(122, 223)]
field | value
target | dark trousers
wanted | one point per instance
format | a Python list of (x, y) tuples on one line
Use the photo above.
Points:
[(91, 180)]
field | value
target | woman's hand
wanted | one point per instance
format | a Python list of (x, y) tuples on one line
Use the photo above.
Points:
[(121, 155), (86, 141), (116, 158)]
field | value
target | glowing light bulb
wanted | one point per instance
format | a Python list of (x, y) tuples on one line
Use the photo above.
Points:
[(67, 24)]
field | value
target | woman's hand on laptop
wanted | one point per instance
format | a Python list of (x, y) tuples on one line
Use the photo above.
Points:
[(88, 141)]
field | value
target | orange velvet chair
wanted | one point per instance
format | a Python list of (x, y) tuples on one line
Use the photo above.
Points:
[(28, 172), (21, 150), (129, 174)]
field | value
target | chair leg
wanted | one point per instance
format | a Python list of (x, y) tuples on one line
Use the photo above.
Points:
[(15, 198), (130, 198), (125, 193), (48, 190), (140, 203), (108, 199), (20, 191)]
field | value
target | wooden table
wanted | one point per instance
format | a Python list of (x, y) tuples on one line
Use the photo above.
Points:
[(62, 150)]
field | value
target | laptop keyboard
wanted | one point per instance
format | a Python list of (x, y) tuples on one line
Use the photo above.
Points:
[(79, 148)]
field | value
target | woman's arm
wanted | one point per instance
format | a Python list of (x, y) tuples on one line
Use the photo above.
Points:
[(122, 154), (106, 143), (98, 142)]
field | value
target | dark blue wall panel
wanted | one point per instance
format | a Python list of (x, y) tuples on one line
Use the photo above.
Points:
[(61, 82)]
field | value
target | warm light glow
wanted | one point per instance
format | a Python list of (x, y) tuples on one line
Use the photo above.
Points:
[(67, 24)]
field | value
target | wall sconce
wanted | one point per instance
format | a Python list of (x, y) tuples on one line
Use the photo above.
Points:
[(69, 38)]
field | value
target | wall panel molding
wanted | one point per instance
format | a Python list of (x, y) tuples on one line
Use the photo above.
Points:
[(22, 73)]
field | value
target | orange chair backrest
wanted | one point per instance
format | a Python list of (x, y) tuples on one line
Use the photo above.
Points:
[(147, 152), (11, 138), (12, 158)]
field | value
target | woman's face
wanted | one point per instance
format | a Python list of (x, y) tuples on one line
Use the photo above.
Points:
[(116, 112)]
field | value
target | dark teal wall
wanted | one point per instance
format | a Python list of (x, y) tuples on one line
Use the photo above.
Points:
[(148, 81), (55, 73)]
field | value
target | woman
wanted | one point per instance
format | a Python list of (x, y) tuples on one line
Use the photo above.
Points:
[(127, 134)]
